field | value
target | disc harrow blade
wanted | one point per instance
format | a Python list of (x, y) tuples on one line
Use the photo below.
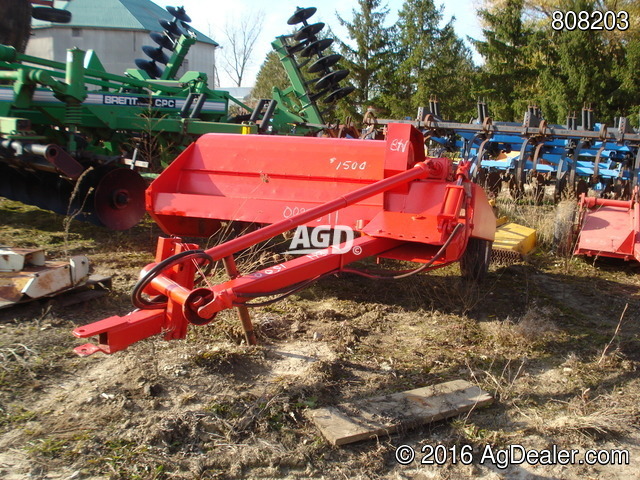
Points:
[(149, 67), (324, 63), (179, 13), (163, 40), (301, 15), (171, 27), (119, 199), (338, 94), (305, 33), (109, 197), (316, 47), (156, 54), (331, 79)]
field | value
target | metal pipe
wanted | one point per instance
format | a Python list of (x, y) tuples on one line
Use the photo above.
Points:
[(592, 202), (39, 149), (52, 158), (168, 287), (32, 148)]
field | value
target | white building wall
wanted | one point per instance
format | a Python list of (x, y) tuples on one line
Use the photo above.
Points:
[(116, 49)]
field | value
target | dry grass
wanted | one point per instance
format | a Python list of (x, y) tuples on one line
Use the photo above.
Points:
[(16, 353), (616, 333), (606, 421), (500, 385), (525, 212), (72, 214), (210, 408), (599, 417), (531, 329), (257, 256)]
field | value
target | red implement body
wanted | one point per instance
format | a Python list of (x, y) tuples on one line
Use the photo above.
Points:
[(609, 228), (403, 205)]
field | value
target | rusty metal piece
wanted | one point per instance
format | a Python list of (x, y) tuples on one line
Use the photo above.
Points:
[(243, 312), (505, 257), (25, 275)]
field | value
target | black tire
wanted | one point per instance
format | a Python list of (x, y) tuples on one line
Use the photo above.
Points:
[(563, 227), (474, 263)]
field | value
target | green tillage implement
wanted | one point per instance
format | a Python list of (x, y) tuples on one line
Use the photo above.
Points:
[(72, 135), (94, 118), (91, 119)]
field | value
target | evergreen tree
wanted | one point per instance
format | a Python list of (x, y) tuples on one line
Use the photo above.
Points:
[(450, 77), (271, 74), (367, 53), (627, 72), (593, 67), (428, 57), (526, 61), (504, 76), (415, 45), (582, 73)]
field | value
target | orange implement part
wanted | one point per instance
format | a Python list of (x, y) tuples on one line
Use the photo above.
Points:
[(609, 228), (263, 179), (404, 205)]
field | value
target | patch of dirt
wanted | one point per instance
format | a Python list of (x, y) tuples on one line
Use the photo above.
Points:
[(547, 338)]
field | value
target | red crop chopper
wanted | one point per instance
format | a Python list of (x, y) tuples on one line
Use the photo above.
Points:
[(403, 205), (609, 228)]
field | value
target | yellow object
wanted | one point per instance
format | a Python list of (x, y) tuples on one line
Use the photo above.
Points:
[(501, 221), (516, 238)]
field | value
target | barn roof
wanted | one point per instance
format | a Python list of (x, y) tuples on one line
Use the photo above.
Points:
[(115, 14)]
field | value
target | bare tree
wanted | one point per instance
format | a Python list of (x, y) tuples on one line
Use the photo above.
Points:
[(240, 36)]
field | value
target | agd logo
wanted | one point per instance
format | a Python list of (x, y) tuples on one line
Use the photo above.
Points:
[(311, 240)]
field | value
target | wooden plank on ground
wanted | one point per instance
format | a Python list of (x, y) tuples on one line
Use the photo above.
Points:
[(372, 417)]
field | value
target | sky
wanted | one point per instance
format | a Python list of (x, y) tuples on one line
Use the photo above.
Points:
[(211, 16)]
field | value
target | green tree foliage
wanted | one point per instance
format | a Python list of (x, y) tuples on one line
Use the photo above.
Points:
[(429, 57), (506, 69), (367, 54), (527, 61), (630, 79), (415, 37), (583, 73), (271, 74)]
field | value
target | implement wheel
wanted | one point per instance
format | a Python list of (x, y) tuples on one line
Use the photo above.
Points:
[(474, 263)]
